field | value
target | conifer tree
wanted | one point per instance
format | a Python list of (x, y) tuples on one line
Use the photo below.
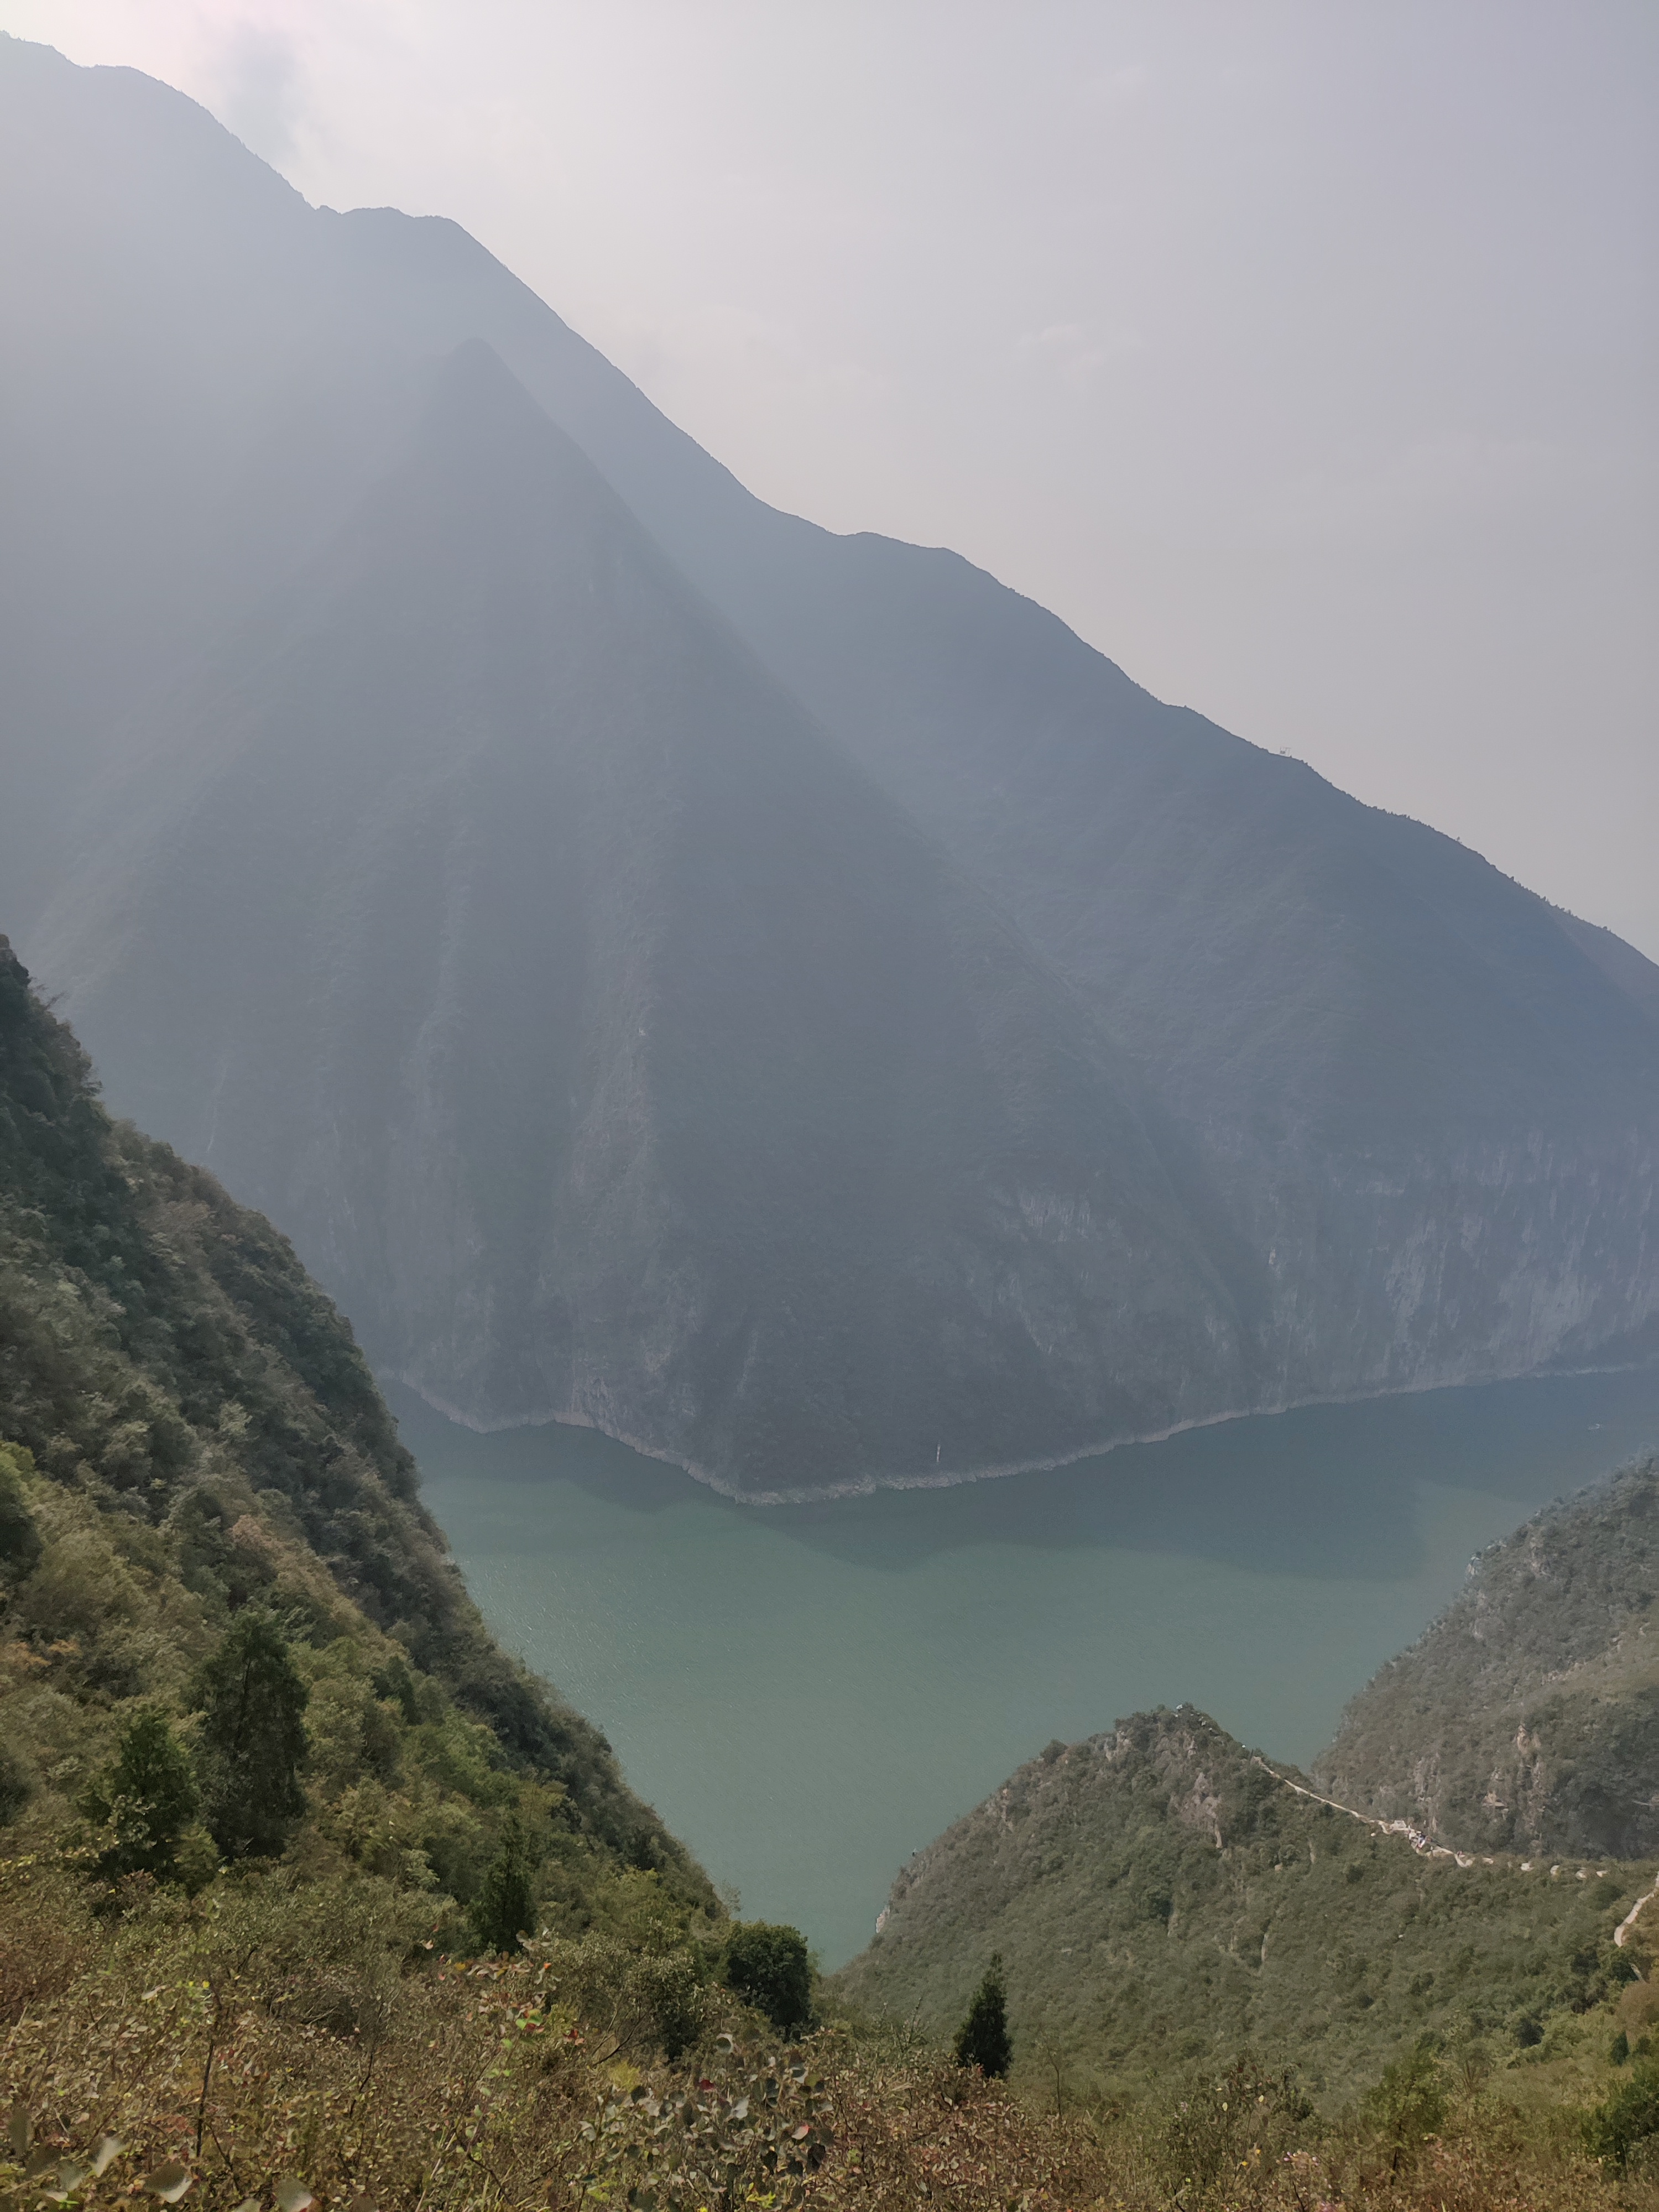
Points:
[(982, 2040), (505, 1907), (253, 1738)]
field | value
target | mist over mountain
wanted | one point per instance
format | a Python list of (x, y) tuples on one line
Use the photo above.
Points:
[(782, 998), (627, 1056)]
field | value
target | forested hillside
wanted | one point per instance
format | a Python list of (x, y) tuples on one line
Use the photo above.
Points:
[(190, 1439), (1162, 1898), (1527, 1718)]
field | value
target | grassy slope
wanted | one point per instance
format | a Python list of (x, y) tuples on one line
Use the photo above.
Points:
[(190, 1425), (1527, 1718), (1160, 1898)]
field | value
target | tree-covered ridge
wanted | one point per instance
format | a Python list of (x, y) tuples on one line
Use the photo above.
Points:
[(1527, 1718), (1162, 1898), (188, 1431)]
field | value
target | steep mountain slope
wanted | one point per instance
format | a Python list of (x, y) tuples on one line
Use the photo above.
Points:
[(1430, 1102), (616, 1050), (1416, 1108), (1159, 1895), (187, 1427), (1527, 1718)]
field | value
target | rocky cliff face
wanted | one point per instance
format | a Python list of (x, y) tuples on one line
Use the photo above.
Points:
[(1427, 1099), (1527, 1718), (1472, 1262)]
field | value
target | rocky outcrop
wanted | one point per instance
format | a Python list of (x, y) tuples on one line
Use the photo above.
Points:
[(1527, 1718)]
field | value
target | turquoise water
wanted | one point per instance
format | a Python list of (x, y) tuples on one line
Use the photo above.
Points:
[(809, 1694)]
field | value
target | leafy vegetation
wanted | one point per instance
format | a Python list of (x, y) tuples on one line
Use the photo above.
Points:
[(505, 1908), (144, 1802), (767, 1966), (228, 1630), (1166, 1899), (1627, 2120), (1527, 1718), (283, 2039), (253, 1738)]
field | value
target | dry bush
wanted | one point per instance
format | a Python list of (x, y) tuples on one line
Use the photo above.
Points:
[(273, 2028)]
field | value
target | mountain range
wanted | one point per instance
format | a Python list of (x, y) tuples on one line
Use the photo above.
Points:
[(783, 998)]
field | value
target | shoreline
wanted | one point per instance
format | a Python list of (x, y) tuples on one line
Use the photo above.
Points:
[(953, 1479)]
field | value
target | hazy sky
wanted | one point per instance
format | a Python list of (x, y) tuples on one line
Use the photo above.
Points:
[(1302, 355)]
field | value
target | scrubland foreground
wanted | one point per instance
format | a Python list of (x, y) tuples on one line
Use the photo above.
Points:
[(281, 2039)]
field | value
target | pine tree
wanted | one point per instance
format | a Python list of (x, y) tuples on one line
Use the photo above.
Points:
[(505, 1907), (253, 1738), (982, 2040), (144, 1800)]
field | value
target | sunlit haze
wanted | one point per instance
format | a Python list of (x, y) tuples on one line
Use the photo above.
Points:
[(1302, 358)]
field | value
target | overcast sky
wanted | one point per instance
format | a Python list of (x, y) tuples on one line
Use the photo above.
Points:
[(1302, 356)]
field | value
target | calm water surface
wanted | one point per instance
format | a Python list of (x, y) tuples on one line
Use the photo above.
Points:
[(809, 1694)]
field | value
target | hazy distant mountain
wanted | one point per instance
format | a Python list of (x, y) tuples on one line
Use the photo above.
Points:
[(626, 1055), (1402, 1115), (1527, 1718)]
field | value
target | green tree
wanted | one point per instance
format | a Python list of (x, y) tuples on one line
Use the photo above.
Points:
[(142, 1803), (1409, 2102), (20, 1539), (17, 1785), (253, 1738), (767, 1966), (1627, 2117), (505, 1907), (983, 2040)]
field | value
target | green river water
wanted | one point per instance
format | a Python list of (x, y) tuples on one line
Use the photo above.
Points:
[(810, 1693)]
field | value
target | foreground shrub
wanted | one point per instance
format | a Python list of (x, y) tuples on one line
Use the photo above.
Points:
[(1244, 2122), (1409, 2103), (278, 2039), (1629, 2117)]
